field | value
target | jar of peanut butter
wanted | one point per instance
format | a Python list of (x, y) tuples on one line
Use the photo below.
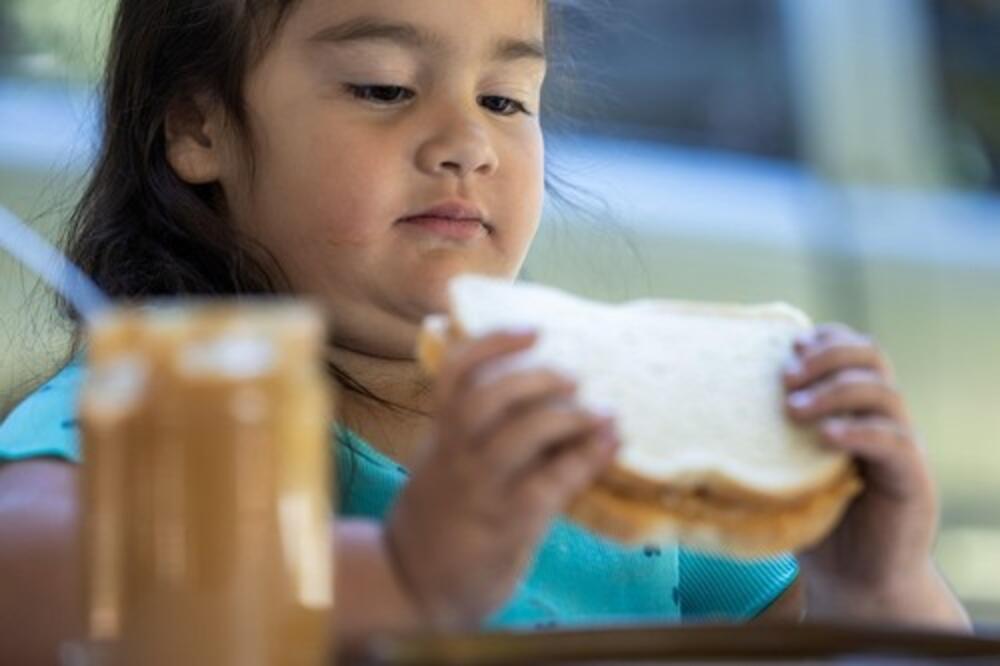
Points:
[(207, 485)]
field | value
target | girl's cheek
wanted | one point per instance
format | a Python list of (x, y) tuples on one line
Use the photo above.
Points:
[(350, 207)]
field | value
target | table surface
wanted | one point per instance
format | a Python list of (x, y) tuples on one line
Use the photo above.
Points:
[(704, 644), (844, 645)]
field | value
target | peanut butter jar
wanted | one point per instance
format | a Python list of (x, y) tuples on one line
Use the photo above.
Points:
[(208, 484)]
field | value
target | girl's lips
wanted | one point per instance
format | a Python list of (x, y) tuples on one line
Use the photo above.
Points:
[(456, 219), (453, 209), (446, 227)]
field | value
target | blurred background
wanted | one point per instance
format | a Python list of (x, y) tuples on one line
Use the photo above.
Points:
[(842, 156)]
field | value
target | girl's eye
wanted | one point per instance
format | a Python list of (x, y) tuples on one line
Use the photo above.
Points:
[(503, 106), (381, 94)]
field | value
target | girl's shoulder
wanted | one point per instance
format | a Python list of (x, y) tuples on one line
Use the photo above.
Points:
[(44, 423)]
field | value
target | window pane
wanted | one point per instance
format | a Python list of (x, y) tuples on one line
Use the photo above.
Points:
[(709, 74), (967, 34)]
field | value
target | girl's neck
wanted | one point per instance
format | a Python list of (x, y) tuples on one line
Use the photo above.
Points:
[(399, 422)]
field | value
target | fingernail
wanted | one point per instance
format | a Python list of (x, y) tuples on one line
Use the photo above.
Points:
[(834, 428), (603, 412), (793, 368), (800, 399)]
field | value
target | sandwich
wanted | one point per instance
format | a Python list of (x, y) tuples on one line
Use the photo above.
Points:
[(708, 456)]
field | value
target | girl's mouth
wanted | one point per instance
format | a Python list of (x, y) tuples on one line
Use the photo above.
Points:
[(448, 228), (459, 220)]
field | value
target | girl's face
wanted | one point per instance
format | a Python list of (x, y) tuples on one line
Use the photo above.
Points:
[(366, 112)]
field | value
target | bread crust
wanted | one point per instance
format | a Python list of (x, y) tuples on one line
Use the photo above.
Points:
[(740, 530), (432, 342), (713, 484)]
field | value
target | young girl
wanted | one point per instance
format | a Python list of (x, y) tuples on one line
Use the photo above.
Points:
[(363, 152)]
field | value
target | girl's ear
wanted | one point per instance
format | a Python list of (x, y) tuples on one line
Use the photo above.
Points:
[(194, 139)]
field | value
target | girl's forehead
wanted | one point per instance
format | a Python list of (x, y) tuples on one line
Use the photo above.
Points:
[(443, 25)]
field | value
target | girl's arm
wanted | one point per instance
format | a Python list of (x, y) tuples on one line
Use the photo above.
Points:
[(368, 594), (919, 600), (39, 583)]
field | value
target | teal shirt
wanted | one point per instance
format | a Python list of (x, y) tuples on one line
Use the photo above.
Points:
[(576, 578)]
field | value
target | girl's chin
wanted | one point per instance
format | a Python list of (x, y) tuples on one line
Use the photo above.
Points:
[(431, 302), (425, 292)]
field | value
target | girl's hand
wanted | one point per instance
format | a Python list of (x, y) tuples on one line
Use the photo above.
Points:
[(880, 554), (509, 451)]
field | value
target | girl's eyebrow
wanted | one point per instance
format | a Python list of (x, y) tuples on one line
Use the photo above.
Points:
[(410, 36)]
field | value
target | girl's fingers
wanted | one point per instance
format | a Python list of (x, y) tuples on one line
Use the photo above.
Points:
[(831, 331), (558, 478), (872, 438), (488, 404), (893, 459), (833, 351), (845, 392), (461, 364), (522, 440)]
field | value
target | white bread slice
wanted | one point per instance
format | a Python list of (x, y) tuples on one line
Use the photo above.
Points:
[(696, 387), (698, 394)]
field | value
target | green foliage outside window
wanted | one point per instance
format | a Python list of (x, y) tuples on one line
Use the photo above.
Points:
[(55, 39)]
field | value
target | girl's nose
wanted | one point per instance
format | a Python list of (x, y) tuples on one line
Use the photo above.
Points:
[(461, 148)]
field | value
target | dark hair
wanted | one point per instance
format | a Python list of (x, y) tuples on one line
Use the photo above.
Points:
[(138, 230)]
